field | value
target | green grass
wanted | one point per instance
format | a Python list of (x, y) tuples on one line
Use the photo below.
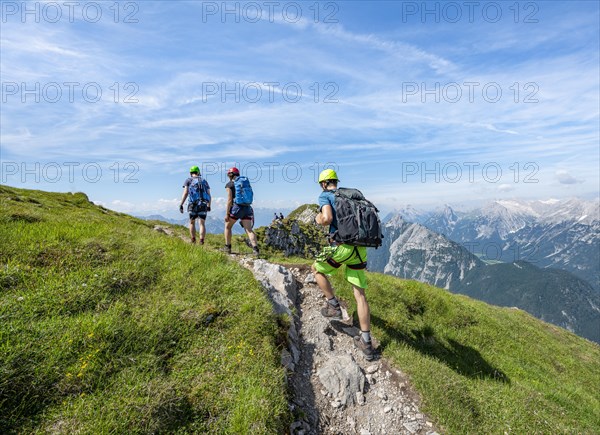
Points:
[(110, 327), (107, 326), (483, 369)]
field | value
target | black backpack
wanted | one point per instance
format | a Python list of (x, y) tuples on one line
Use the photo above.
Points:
[(357, 219)]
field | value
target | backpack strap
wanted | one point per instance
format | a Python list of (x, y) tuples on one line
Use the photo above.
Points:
[(359, 266), (333, 263), (204, 191), (358, 254)]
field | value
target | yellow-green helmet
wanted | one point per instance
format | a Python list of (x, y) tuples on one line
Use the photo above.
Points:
[(195, 169), (328, 174)]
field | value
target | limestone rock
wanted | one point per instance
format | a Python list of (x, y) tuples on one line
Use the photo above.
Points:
[(310, 279), (307, 216), (279, 283), (412, 426), (342, 377), (372, 369)]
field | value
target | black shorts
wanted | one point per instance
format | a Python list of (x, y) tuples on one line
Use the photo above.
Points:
[(243, 212), (197, 210)]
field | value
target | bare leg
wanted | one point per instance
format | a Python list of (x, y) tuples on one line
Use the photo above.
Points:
[(193, 229), (201, 228), (323, 284), (247, 224), (228, 226), (362, 307)]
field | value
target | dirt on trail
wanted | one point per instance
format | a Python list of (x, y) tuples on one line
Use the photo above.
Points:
[(333, 388)]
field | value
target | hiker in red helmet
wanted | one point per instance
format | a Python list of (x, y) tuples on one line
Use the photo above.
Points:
[(239, 200)]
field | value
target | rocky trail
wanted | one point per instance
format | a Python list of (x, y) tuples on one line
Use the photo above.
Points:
[(333, 389)]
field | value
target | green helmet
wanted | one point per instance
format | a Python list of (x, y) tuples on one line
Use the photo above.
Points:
[(328, 174), (195, 169)]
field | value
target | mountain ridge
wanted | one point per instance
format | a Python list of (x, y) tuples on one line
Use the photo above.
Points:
[(413, 251), (563, 234)]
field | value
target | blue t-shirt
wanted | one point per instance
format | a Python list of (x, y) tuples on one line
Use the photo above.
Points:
[(328, 198)]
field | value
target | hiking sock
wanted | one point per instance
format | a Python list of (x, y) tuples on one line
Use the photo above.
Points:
[(333, 302), (366, 336)]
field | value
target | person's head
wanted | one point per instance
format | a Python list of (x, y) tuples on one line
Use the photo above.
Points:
[(233, 172), (194, 170), (328, 179)]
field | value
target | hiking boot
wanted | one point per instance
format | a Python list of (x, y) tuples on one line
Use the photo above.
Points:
[(226, 249), (193, 240), (202, 241), (255, 251), (366, 348), (332, 312)]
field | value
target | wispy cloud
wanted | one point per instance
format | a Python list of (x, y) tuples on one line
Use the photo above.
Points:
[(564, 177), (394, 91)]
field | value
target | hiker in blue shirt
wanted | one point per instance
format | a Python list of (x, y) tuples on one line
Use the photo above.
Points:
[(197, 191), (353, 257)]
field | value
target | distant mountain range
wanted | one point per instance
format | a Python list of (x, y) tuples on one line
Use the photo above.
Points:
[(213, 224), (481, 254), (214, 221), (562, 234)]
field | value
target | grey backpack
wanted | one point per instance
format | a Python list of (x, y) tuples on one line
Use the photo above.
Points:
[(357, 219)]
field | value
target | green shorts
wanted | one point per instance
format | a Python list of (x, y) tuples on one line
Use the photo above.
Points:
[(350, 256)]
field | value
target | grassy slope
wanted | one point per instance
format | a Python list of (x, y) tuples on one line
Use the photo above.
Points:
[(109, 326), (484, 369)]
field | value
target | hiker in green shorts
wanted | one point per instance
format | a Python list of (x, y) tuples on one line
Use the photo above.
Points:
[(355, 259)]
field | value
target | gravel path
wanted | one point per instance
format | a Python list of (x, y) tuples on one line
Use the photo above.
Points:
[(333, 389)]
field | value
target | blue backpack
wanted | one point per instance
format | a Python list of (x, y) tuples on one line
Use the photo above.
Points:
[(243, 191), (197, 191)]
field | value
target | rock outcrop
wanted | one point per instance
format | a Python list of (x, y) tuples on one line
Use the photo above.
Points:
[(296, 235)]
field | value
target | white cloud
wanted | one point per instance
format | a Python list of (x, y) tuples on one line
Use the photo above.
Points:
[(168, 202), (122, 204), (506, 187), (564, 177)]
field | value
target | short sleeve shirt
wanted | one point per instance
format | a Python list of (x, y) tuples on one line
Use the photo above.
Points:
[(231, 185), (328, 198)]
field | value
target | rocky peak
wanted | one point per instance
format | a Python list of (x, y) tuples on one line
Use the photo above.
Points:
[(296, 235)]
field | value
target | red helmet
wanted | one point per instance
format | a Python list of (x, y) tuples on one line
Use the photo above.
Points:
[(233, 170)]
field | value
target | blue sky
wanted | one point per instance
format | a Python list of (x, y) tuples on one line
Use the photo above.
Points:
[(412, 102)]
